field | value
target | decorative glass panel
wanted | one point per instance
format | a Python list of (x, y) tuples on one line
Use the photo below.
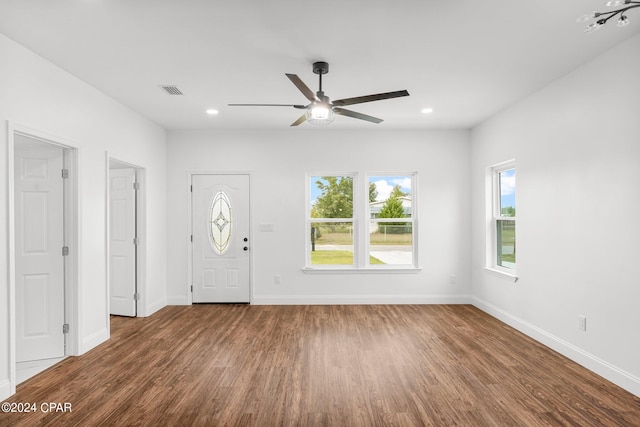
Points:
[(220, 223)]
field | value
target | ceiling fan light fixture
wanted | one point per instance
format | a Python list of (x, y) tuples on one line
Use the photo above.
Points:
[(623, 21), (320, 110), (602, 18), (320, 114)]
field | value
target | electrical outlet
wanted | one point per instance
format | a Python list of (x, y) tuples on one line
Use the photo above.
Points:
[(452, 279), (582, 323), (276, 280)]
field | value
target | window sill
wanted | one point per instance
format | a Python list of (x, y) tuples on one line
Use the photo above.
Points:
[(502, 273), (330, 270)]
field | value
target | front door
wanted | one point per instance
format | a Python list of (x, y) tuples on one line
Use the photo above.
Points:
[(122, 242), (221, 241), (39, 241)]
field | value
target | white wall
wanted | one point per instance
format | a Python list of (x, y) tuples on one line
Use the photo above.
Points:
[(577, 150), (278, 162), (36, 94)]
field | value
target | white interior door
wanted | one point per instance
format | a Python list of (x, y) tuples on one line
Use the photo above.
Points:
[(122, 246), (221, 241), (39, 241)]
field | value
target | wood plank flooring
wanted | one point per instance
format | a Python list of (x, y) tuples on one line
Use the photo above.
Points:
[(401, 365)]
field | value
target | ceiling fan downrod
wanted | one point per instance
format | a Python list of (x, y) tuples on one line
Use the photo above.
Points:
[(321, 68)]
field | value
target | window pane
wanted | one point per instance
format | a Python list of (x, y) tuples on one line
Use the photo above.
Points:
[(390, 196), (506, 233), (331, 196), (391, 243), (507, 181), (331, 243)]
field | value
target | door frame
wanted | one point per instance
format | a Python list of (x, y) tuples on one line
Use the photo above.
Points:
[(71, 238), (141, 248), (189, 193)]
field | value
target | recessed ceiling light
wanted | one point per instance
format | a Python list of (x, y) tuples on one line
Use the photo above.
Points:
[(212, 112), (427, 110)]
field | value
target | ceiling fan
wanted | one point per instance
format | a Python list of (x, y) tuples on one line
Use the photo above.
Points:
[(321, 109)]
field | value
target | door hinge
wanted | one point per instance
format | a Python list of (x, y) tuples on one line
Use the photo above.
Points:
[(136, 185), (192, 237), (65, 173), (135, 241), (65, 250), (65, 328), (191, 288), (136, 297), (192, 188)]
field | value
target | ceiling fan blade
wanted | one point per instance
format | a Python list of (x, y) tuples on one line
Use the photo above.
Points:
[(356, 115), (369, 98), (308, 93), (300, 120), (268, 105)]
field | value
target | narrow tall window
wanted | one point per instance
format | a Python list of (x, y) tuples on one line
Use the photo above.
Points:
[(331, 220), (504, 215)]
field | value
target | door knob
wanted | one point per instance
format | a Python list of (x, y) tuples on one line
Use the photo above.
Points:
[(245, 248), (245, 239)]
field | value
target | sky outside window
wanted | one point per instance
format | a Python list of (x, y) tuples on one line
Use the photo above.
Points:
[(508, 192)]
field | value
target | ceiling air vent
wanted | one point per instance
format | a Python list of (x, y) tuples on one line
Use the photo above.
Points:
[(171, 89)]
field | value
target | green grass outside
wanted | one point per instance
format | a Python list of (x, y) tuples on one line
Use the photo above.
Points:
[(507, 237), (375, 239), (337, 257)]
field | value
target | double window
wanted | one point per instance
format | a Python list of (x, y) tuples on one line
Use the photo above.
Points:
[(356, 221), (502, 234)]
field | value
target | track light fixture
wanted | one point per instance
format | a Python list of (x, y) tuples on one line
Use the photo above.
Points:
[(601, 18)]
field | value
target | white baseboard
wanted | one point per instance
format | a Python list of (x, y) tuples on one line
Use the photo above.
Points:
[(601, 367), (94, 340), (5, 389), (177, 300), (152, 308), (358, 299)]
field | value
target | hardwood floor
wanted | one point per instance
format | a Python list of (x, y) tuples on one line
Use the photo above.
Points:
[(403, 365)]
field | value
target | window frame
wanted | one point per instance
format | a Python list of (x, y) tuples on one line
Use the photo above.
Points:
[(495, 218), (411, 220), (309, 220), (360, 220)]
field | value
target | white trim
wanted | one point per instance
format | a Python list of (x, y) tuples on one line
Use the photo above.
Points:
[(72, 223), (492, 209), (177, 300), (94, 340), (5, 389), (359, 299), (502, 273), (610, 372), (142, 305), (151, 308)]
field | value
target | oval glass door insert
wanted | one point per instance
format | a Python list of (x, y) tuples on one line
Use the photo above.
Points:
[(220, 223)]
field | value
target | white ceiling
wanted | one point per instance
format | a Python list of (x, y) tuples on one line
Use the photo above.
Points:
[(466, 59)]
